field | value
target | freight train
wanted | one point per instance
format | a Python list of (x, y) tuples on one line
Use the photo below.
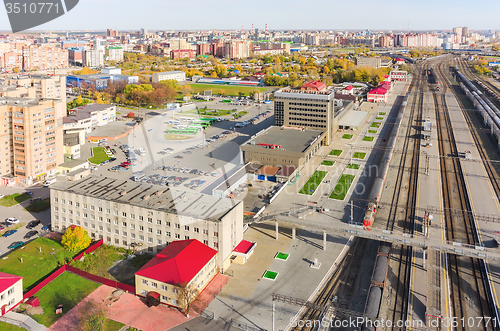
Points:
[(378, 185)]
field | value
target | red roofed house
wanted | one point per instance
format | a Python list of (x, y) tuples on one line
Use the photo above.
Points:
[(378, 94), (11, 291), (399, 60), (398, 75), (315, 85), (243, 251), (184, 265)]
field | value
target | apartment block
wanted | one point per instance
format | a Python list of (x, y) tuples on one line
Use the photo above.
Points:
[(45, 86), (361, 61), (93, 58), (146, 217), (314, 110), (31, 142), (33, 57)]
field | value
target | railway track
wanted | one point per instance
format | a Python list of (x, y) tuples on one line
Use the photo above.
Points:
[(467, 71), (468, 283), (406, 188), (337, 291)]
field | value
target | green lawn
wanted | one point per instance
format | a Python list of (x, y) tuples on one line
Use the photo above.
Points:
[(381, 114), (312, 184), (35, 265), (347, 136), (342, 187), (102, 259), (353, 166), (375, 125), (110, 325), (13, 199), (327, 163), (228, 90), (67, 290), (272, 275), (99, 155), (336, 152), (372, 131), (281, 256), (367, 138), (9, 327), (359, 155), (379, 118), (39, 206)]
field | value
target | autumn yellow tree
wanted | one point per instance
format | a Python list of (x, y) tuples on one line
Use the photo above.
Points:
[(75, 239)]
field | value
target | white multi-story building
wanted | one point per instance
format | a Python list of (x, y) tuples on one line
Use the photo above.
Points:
[(142, 216), (179, 76), (88, 117), (93, 58)]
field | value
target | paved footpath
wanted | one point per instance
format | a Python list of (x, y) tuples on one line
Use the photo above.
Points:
[(481, 194), (428, 278)]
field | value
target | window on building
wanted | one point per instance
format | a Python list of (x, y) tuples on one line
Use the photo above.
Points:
[(124, 233), (216, 234), (124, 224), (186, 227), (150, 230), (132, 226), (197, 230), (177, 236), (158, 241), (154, 285), (175, 291), (177, 226), (164, 288), (216, 245), (132, 216), (141, 238), (164, 298), (132, 235), (117, 232), (167, 223), (158, 231), (150, 220), (158, 222), (150, 240), (92, 207), (141, 218), (124, 214), (141, 228), (167, 233)]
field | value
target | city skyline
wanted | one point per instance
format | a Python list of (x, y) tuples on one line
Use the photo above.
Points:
[(389, 15)]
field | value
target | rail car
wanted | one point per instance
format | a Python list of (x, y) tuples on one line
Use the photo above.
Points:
[(489, 112), (378, 185)]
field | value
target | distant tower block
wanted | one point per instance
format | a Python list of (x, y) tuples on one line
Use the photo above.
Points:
[(253, 31), (266, 28)]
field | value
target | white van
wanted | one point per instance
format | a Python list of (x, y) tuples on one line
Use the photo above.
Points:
[(142, 151), (49, 181)]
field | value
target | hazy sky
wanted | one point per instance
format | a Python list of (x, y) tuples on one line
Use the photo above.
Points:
[(278, 14)]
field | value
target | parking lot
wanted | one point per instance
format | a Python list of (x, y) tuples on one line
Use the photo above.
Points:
[(20, 229), (197, 161)]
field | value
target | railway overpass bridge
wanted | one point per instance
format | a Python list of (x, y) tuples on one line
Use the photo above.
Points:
[(346, 230)]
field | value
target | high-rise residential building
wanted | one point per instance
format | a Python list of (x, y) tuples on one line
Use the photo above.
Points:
[(236, 49), (32, 57), (44, 86), (75, 55), (465, 31), (203, 49), (93, 58), (114, 53), (111, 33), (31, 142), (137, 215)]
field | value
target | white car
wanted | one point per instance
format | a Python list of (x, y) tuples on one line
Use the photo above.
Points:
[(12, 220)]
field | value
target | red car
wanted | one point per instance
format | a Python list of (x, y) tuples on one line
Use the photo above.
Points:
[(126, 163), (1, 228)]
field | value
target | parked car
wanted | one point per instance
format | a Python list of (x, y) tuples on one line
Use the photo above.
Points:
[(15, 244), (30, 234), (32, 224), (28, 193), (9, 233), (46, 228), (12, 220)]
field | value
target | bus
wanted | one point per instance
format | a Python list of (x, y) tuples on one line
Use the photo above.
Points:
[(173, 131), (209, 120)]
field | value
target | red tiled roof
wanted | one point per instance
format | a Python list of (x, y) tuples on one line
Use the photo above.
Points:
[(178, 263), (349, 87), (244, 246), (400, 59), (315, 84), (7, 280), (378, 90)]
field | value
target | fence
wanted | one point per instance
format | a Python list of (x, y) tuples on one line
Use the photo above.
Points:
[(89, 250), (101, 280), (79, 272), (44, 282)]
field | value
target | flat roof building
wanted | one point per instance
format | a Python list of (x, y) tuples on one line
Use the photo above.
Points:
[(179, 76), (143, 216), (280, 147), (311, 110)]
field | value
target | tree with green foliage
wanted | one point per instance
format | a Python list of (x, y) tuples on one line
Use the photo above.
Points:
[(75, 239)]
